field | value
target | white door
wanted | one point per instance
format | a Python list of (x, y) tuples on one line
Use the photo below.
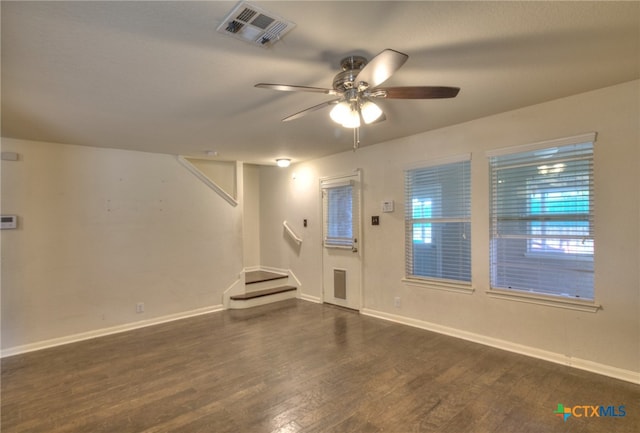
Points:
[(341, 257)]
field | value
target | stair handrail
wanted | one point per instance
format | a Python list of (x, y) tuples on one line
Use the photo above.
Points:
[(291, 233)]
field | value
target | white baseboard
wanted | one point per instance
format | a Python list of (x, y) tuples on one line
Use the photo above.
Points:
[(310, 298), (295, 279), (582, 364), (273, 269), (107, 331), (252, 268)]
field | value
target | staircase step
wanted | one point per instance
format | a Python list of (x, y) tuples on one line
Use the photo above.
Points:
[(260, 293), (254, 277)]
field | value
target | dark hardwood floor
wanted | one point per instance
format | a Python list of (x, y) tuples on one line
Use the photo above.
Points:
[(296, 366)]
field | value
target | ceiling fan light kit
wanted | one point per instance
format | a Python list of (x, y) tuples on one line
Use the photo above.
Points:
[(357, 84), (352, 120), (348, 114), (370, 111), (340, 112)]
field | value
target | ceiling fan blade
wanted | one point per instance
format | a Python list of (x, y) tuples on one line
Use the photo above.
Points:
[(419, 92), (304, 112), (381, 67), (289, 88)]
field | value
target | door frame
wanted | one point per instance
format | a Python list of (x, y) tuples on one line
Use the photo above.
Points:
[(357, 174)]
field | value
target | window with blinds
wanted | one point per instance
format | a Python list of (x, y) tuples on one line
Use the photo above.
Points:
[(438, 221), (542, 220), (340, 214)]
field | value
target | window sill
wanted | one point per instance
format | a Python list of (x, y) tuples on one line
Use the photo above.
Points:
[(445, 285), (338, 246), (529, 298)]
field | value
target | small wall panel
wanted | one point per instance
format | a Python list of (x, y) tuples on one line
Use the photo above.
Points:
[(340, 283)]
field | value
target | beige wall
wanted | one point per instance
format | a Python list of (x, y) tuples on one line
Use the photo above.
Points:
[(103, 229), (251, 215), (607, 340), (274, 202), (223, 173)]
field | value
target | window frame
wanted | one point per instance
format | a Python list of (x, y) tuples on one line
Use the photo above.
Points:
[(333, 182), (331, 236), (433, 282), (539, 297)]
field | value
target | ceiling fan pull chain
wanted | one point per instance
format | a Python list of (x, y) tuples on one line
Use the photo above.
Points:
[(356, 138)]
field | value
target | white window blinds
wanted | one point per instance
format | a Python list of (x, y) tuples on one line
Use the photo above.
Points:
[(542, 221), (437, 222), (340, 212)]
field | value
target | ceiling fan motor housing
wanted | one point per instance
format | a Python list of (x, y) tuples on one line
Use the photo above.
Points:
[(351, 67)]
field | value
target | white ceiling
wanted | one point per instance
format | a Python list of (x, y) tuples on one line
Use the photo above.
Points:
[(157, 77)]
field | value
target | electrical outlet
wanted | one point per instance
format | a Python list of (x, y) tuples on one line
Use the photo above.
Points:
[(396, 302), (140, 307)]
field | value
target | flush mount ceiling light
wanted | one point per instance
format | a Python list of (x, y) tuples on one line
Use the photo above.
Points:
[(283, 162)]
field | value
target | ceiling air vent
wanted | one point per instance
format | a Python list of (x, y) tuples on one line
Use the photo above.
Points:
[(253, 24)]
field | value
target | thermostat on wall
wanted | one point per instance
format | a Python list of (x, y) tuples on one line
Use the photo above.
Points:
[(387, 206), (8, 222)]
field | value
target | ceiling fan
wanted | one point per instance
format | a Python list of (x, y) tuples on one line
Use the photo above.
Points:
[(357, 87)]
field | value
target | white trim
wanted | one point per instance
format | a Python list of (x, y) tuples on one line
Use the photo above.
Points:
[(236, 288), (589, 137), (557, 358), (295, 279), (531, 298), (438, 161), (335, 183), (251, 269), (337, 246), (45, 344), (445, 285), (273, 269), (309, 298), (211, 184), (340, 177)]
